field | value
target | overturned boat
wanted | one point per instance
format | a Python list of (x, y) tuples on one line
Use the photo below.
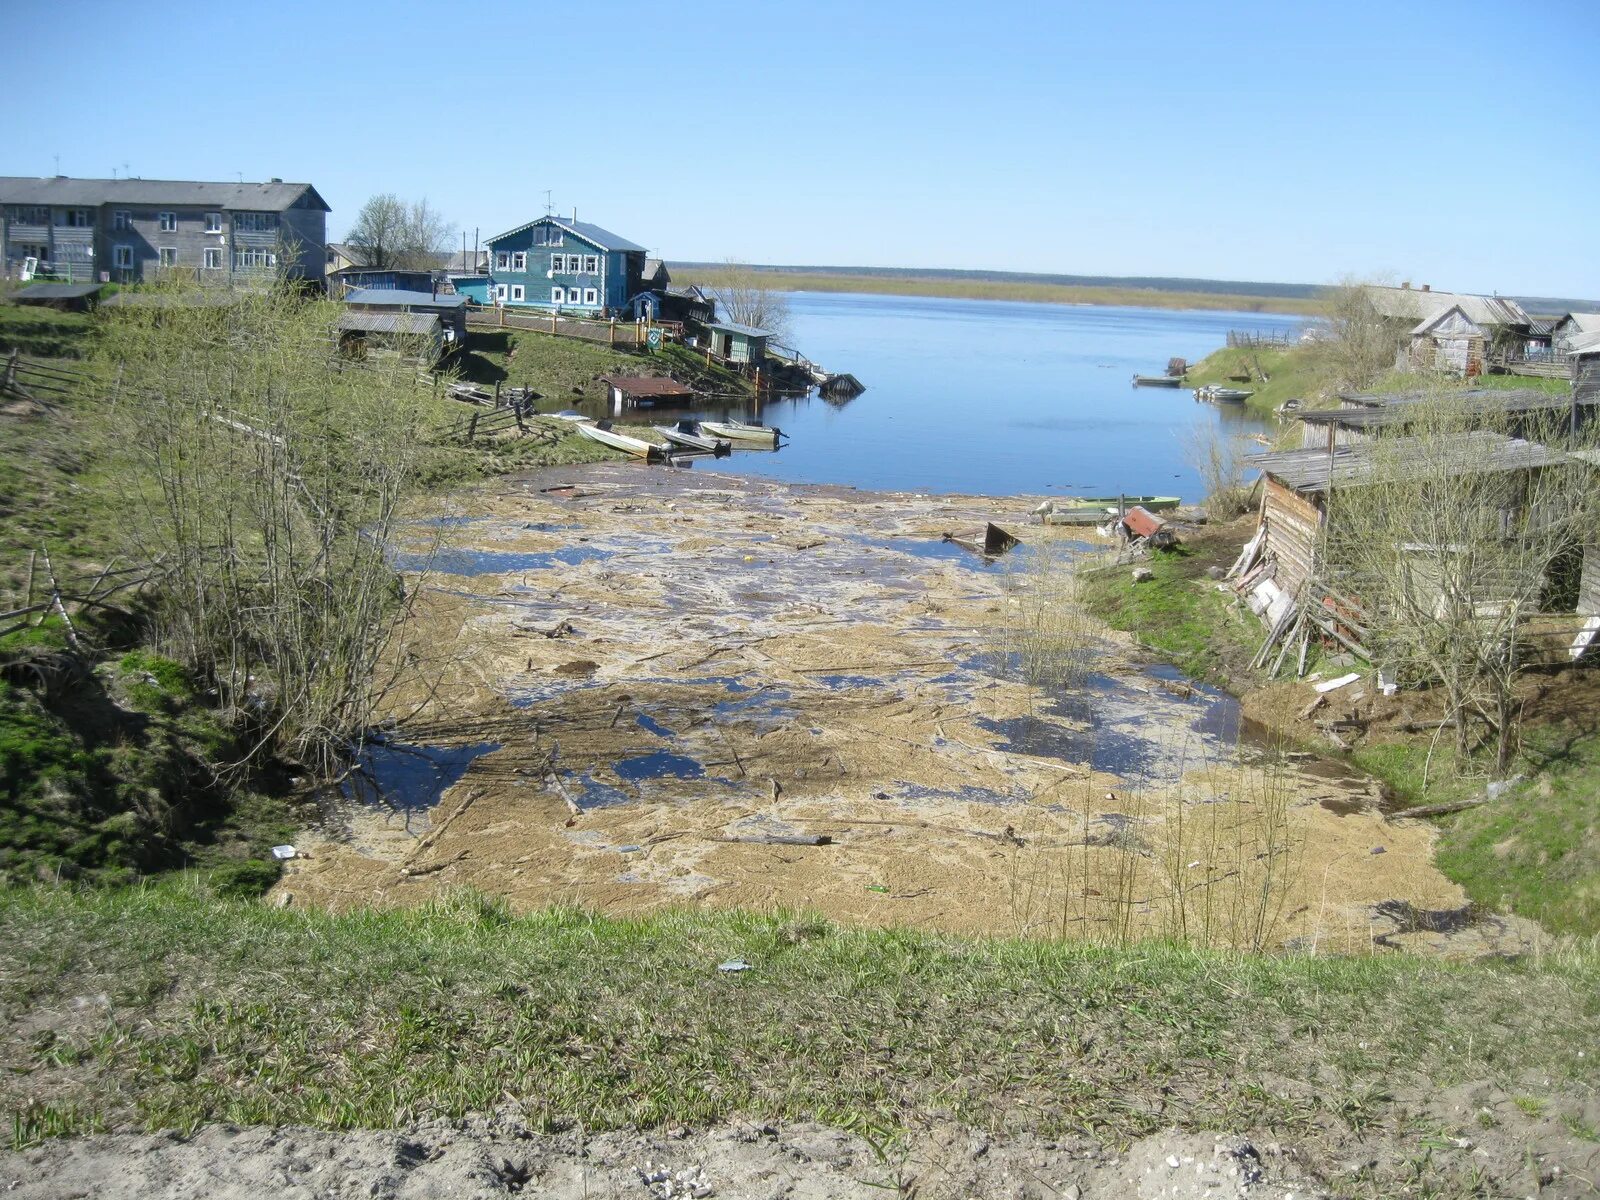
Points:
[(601, 431)]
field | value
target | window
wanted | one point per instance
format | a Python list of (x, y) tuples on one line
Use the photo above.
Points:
[(519, 260), (558, 295), (255, 222), (213, 258), (213, 222), (169, 222), (122, 219), (169, 256), (547, 235), (31, 214), (502, 260), (591, 264), (74, 218), (517, 292), (254, 259), (122, 256), (556, 263), (500, 292), (574, 264), (590, 296)]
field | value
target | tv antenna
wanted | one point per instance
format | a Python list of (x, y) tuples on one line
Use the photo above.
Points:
[(58, 164), (548, 206)]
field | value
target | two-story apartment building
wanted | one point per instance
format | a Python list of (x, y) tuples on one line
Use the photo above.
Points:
[(126, 230), (571, 266)]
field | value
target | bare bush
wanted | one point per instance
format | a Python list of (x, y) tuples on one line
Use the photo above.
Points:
[(747, 296), (1218, 458), (269, 474)]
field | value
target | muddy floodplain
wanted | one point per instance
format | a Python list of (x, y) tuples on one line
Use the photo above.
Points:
[(630, 688)]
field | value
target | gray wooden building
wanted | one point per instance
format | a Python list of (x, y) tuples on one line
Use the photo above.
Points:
[(128, 230)]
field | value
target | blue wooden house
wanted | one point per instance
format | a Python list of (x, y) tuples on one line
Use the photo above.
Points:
[(570, 266)]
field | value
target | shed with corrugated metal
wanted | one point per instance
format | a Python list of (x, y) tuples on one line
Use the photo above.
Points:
[(450, 309), (736, 343)]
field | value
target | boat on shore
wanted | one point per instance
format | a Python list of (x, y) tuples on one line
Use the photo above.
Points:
[(739, 431), (1166, 381), (688, 434), (601, 431), (1212, 394), (1152, 503)]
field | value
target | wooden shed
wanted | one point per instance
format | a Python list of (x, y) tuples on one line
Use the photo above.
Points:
[(451, 310), (736, 343), (643, 391)]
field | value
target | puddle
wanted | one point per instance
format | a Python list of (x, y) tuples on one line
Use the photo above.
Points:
[(468, 562), (407, 778), (659, 765), (645, 721)]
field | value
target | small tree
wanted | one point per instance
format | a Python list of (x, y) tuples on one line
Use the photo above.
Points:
[(1361, 344), (392, 233), (747, 297)]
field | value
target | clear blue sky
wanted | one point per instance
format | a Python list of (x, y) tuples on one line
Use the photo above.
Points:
[(1454, 144)]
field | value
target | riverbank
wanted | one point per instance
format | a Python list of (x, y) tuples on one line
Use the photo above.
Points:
[(1532, 851), (1009, 289)]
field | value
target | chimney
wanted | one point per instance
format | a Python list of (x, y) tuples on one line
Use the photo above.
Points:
[(1427, 287), (275, 179), (1406, 286), (574, 214)]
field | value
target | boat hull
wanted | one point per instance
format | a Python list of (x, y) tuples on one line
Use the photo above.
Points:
[(693, 441), (1166, 381), (739, 432), (637, 447)]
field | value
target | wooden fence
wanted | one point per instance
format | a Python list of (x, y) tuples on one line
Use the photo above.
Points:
[(612, 333), (1259, 339)]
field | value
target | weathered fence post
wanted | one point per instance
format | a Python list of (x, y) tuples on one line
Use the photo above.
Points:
[(613, 341), (472, 428)]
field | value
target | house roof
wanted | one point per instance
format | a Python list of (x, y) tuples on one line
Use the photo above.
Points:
[(1351, 466), (420, 324), (355, 254), (1384, 408), (402, 298), (1414, 304), (647, 385), (1584, 344), (593, 234), (55, 291), (61, 190), (735, 327), (656, 274), (472, 261)]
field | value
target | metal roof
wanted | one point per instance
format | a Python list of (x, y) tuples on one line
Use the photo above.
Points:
[(1582, 322), (1352, 466), (647, 385), (270, 197), (402, 322), (603, 238), (735, 327), (1416, 305), (55, 291), (356, 255), (401, 298), (1584, 343)]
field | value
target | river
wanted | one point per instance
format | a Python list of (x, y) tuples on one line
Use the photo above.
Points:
[(996, 397)]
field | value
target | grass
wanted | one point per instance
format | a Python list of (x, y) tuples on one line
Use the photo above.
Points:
[(1178, 612), (219, 1010), (981, 289), (44, 332)]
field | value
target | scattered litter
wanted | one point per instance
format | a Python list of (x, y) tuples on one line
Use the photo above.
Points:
[(1334, 684), (688, 1184), (281, 852), (1379, 850), (733, 966), (629, 849), (1386, 684)]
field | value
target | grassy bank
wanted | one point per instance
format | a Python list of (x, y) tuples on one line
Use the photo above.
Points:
[(213, 1010), (980, 289)]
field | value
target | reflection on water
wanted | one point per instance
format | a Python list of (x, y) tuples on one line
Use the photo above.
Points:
[(992, 397)]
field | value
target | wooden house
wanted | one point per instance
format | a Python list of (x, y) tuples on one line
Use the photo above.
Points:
[(566, 266), (342, 255), (736, 343), (450, 309), (1450, 343), (1294, 505), (1571, 327)]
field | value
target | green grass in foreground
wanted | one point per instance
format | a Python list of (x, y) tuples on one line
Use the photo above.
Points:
[(978, 289), (227, 1011), (43, 332)]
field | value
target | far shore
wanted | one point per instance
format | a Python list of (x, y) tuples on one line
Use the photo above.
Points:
[(981, 289)]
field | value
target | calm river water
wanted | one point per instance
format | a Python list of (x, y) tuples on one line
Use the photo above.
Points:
[(995, 397)]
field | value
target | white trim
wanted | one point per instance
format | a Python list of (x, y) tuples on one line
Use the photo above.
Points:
[(167, 222), (213, 226), (591, 264), (122, 257), (212, 258), (519, 260), (558, 296), (558, 263), (121, 220), (502, 260), (591, 296), (500, 293), (163, 259), (517, 294)]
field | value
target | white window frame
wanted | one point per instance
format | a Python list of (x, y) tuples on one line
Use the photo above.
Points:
[(122, 220), (122, 257), (574, 264), (591, 264), (255, 222), (74, 218), (213, 222), (591, 297), (167, 256), (517, 293), (502, 260), (558, 296), (254, 258), (213, 258), (552, 235), (519, 260), (168, 222), (499, 293)]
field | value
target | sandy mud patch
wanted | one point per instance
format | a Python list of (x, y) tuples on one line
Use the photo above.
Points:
[(658, 687)]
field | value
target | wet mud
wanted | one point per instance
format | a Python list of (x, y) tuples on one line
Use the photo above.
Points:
[(644, 689)]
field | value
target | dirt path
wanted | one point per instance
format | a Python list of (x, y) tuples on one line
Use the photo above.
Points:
[(682, 687)]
